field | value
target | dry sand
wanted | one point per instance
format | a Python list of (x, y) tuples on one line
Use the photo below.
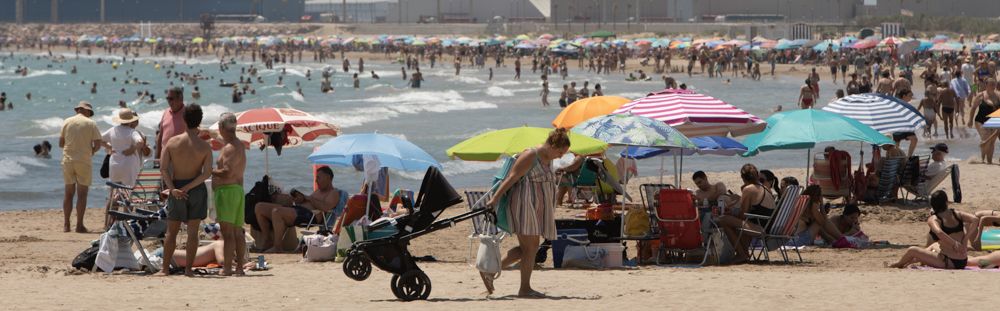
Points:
[(35, 274)]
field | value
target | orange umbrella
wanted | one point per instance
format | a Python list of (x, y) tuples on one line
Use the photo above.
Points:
[(590, 107), (995, 114)]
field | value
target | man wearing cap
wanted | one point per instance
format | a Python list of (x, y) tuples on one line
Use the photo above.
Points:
[(79, 139), (937, 165), (172, 122), (126, 146)]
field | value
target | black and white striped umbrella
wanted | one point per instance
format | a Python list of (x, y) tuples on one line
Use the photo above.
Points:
[(885, 114)]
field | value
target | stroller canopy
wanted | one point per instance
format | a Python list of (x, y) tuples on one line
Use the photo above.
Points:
[(436, 194)]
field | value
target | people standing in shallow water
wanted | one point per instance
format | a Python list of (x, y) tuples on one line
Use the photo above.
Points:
[(416, 79), (545, 91)]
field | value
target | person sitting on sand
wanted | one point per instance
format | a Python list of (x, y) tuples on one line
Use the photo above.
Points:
[(949, 231), (814, 221), (274, 218)]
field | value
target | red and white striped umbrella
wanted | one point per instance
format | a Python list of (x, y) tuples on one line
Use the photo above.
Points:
[(252, 126), (694, 114)]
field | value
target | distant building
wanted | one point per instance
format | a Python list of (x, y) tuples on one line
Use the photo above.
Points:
[(357, 11), (115, 11)]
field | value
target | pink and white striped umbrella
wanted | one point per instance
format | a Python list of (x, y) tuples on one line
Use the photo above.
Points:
[(694, 114), (252, 126)]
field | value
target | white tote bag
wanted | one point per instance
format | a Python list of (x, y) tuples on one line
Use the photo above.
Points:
[(488, 258), (319, 248)]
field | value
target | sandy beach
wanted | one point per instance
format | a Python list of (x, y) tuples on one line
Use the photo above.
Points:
[(35, 273)]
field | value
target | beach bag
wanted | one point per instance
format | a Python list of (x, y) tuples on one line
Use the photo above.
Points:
[(85, 260), (583, 257), (259, 193), (319, 248), (106, 167), (488, 257), (636, 221)]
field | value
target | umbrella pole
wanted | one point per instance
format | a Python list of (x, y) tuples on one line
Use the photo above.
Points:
[(661, 169), (680, 170), (808, 163)]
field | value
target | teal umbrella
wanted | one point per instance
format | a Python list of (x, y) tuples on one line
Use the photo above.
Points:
[(802, 129)]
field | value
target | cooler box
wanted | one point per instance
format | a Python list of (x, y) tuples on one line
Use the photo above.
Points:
[(616, 254), (566, 237)]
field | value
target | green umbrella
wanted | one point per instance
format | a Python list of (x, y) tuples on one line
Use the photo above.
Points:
[(802, 129), (491, 146), (602, 34)]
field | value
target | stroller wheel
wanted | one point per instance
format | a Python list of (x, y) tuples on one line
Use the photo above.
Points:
[(412, 285), (357, 267)]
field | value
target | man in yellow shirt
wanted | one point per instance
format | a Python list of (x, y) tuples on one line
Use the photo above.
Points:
[(79, 139)]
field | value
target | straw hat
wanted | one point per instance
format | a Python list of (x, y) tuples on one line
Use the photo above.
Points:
[(125, 116), (85, 105)]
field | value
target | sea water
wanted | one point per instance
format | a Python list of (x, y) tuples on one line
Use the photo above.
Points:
[(445, 111)]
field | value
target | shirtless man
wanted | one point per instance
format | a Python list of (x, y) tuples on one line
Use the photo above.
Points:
[(227, 183), (275, 218), (947, 99), (806, 96), (901, 84), (707, 190), (814, 79), (884, 85), (185, 164)]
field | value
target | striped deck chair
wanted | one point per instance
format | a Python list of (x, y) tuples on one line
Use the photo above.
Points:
[(480, 224), (919, 185), (781, 226), (888, 180), (822, 173)]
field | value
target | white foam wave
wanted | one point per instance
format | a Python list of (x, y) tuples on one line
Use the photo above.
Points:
[(49, 124), (466, 80), (35, 73), (295, 95), (13, 166), (631, 95), (404, 103), (150, 119), (457, 167), (497, 91)]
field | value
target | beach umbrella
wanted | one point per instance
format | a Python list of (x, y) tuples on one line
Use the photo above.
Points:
[(886, 114), (522, 37), (525, 45), (493, 145), (390, 151), (865, 44), (633, 130), (707, 145), (695, 114), (940, 38), (197, 40), (255, 128), (546, 36), (822, 46), (803, 129), (584, 109), (992, 123)]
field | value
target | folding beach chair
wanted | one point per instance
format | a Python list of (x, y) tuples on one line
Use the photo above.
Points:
[(888, 180), (780, 227), (823, 174), (680, 226), (915, 180), (145, 194), (138, 224), (326, 220)]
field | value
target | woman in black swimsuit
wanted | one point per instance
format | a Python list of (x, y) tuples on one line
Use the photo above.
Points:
[(948, 231), (988, 100), (755, 200)]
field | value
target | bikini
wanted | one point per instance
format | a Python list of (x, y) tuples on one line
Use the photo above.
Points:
[(759, 209), (955, 263)]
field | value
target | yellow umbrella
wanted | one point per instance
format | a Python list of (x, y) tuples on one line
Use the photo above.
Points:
[(197, 40), (590, 107)]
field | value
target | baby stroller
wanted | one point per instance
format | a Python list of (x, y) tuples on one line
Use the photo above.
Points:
[(390, 253)]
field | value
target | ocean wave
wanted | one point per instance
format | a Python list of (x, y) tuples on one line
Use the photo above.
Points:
[(497, 91), (402, 104), (294, 95), (13, 166), (150, 119), (456, 168), (631, 95), (35, 73)]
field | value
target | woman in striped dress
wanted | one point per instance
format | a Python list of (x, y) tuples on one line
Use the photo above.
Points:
[(532, 185)]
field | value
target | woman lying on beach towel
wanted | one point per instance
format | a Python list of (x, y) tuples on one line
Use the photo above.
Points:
[(209, 255), (948, 228)]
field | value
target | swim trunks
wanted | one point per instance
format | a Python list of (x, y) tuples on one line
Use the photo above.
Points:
[(195, 207), (229, 206)]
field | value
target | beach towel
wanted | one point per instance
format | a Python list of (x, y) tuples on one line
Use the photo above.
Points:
[(967, 268), (837, 160)]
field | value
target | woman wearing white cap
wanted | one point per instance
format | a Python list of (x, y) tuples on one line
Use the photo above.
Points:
[(127, 147)]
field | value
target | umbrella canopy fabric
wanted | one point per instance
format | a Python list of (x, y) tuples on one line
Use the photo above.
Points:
[(708, 145), (492, 146), (992, 123), (253, 125), (633, 130), (390, 151), (802, 129), (584, 109), (602, 34), (694, 114), (885, 114)]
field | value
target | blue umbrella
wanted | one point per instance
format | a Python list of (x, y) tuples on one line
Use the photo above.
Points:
[(391, 152), (707, 145), (992, 123)]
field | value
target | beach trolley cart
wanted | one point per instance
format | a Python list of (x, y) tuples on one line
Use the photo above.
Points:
[(390, 253)]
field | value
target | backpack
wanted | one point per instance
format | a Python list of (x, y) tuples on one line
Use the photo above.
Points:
[(259, 193), (85, 260)]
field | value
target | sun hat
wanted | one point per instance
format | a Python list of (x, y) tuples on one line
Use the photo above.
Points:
[(125, 116), (84, 105)]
